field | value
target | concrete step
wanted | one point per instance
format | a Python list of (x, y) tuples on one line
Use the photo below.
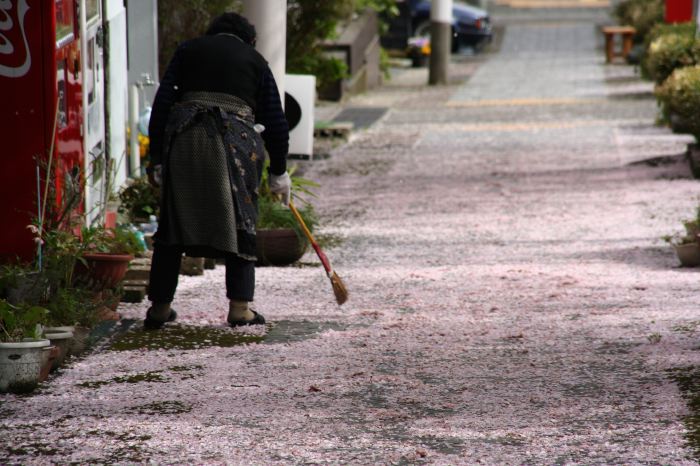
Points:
[(138, 272), (133, 294)]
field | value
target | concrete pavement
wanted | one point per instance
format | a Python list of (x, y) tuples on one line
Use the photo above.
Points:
[(511, 298)]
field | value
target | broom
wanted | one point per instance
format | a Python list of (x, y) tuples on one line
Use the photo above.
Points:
[(341, 293)]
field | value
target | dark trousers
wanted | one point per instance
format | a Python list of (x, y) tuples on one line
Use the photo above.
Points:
[(165, 269)]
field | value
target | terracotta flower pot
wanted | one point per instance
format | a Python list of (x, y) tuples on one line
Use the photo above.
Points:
[(279, 247), (49, 356), (102, 271)]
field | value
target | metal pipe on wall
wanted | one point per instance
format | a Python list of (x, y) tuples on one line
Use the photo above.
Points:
[(134, 150)]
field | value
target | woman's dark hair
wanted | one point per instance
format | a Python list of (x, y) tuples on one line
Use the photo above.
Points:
[(232, 23)]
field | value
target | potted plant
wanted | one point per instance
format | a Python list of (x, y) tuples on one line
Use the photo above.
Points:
[(692, 226), (105, 257), (139, 200), (687, 246), (688, 251), (279, 239), (680, 95), (74, 310), (22, 352)]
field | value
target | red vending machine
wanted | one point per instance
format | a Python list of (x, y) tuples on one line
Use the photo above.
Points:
[(679, 11), (41, 95)]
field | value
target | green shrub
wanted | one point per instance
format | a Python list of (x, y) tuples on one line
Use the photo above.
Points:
[(662, 29), (326, 69), (680, 94), (643, 15), (668, 52), (684, 29), (139, 200)]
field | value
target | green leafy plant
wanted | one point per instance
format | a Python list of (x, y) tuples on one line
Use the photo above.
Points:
[(72, 306), (98, 239), (10, 275), (139, 200), (20, 321), (669, 52), (326, 69), (661, 29), (62, 250), (680, 94), (692, 232), (273, 215)]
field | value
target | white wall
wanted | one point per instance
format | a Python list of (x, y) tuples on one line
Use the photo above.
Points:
[(115, 16), (142, 29)]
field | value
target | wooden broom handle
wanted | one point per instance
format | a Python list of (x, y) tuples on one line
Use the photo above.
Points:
[(324, 260)]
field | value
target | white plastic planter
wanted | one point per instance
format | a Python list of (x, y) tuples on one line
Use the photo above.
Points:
[(20, 365), (65, 328), (63, 341), (80, 335)]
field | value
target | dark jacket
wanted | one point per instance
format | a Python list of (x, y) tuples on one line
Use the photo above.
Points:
[(222, 63)]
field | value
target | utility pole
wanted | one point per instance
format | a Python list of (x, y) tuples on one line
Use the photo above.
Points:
[(440, 41), (696, 14), (270, 20)]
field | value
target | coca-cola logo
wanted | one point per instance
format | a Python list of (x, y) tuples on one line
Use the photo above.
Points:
[(15, 56)]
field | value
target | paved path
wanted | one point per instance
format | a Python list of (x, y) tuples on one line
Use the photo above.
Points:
[(511, 298)]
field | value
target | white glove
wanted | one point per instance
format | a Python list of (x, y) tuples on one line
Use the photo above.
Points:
[(281, 185)]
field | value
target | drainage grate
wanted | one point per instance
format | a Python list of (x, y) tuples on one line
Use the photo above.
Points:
[(361, 117)]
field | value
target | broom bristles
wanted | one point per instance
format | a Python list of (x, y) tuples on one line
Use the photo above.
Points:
[(341, 293)]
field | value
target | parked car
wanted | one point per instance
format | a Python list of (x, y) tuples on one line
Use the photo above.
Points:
[(471, 26)]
